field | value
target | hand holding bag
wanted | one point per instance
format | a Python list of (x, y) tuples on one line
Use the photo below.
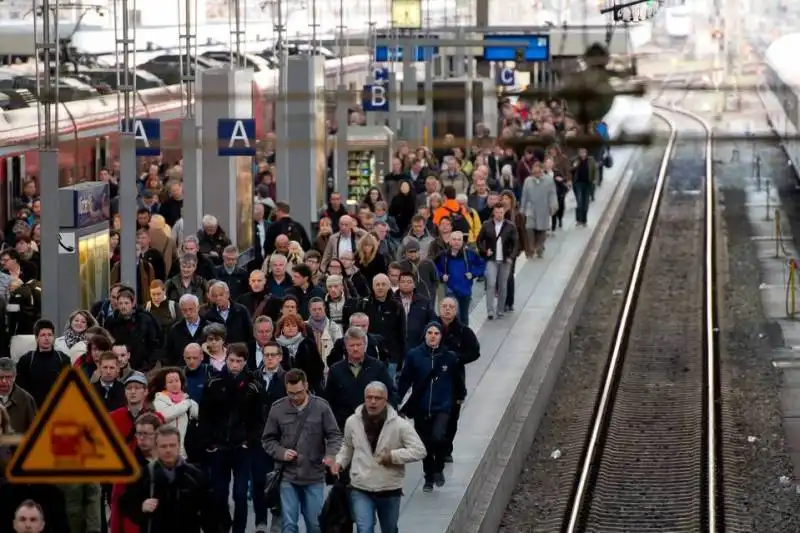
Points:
[(272, 490)]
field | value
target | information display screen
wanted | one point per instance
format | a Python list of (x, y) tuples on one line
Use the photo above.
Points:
[(387, 54), (538, 48)]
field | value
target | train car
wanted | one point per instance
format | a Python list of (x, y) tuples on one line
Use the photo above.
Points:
[(88, 129), (780, 93), (678, 22)]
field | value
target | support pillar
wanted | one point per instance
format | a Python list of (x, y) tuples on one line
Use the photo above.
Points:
[(127, 208), (192, 178), (227, 182), (48, 184), (482, 21), (341, 179), (305, 139)]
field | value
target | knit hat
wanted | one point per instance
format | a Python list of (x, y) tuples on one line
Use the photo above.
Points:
[(136, 377), (412, 245)]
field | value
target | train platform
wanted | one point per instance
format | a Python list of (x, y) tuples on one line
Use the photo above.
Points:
[(509, 386), (521, 354), (775, 248)]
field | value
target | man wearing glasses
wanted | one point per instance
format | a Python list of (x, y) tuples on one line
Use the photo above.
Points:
[(261, 463)]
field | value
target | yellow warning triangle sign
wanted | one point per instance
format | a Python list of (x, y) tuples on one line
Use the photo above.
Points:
[(72, 440)]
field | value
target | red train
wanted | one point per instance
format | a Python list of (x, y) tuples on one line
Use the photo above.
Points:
[(88, 128)]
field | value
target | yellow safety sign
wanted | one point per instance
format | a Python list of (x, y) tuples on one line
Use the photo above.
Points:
[(72, 440)]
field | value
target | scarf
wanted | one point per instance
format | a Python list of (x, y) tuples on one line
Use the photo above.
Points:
[(176, 397), (350, 272), (317, 325), (290, 344), (71, 338), (373, 426)]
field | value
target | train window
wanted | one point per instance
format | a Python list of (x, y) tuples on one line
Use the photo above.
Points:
[(100, 157), (15, 177)]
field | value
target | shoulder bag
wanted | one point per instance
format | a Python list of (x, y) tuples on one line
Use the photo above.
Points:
[(272, 490)]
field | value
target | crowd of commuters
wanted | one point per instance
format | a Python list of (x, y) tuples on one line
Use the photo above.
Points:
[(333, 357)]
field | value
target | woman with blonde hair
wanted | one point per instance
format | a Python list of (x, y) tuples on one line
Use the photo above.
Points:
[(161, 240), (370, 263)]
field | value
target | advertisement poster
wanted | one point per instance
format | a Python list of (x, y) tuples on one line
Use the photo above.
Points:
[(92, 204)]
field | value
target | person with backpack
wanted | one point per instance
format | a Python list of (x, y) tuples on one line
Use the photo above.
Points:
[(164, 311), (38, 370), (452, 209)]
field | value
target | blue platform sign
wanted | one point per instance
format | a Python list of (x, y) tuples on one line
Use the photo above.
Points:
[(147, 132), (506, 77), (538, 48), (380, 74), (236, 137), (375, 98), (386, 54)]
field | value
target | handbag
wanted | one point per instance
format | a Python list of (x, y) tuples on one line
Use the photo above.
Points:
[(608, 160), (272, 487)]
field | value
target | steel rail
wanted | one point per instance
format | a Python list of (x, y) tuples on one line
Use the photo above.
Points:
[(710, 507)]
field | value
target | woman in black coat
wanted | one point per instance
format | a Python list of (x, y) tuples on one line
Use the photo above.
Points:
[(293, 335), (403, 207)]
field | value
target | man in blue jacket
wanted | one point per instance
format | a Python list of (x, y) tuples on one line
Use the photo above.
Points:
[(432, 375), (458, 267)]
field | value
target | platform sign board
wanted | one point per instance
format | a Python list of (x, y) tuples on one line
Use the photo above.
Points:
[(380, 74), (375, 98), (147, 132), (506, 77), (236, 137), (538, 48), (72, 440), (389, 54)]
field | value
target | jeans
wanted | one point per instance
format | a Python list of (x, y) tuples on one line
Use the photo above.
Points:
[(365, 506), (223, 464), (582, 191), (463, 306), (261, 464), (497, 276), (305, 499)]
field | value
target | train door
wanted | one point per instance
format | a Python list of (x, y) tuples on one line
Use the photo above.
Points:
[(15, 178), (101, 150)]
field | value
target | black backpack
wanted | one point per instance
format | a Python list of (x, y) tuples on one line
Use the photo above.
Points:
[(460, 222)]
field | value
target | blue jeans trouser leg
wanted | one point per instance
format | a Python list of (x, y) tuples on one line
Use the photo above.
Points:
[(305, 499), (365, 506), (582, 191), (223, 464)]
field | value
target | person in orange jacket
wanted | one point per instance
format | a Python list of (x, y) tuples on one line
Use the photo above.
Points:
[(453, 210)]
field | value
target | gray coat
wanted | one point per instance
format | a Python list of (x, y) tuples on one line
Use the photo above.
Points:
[(539, 202), (320, 438)]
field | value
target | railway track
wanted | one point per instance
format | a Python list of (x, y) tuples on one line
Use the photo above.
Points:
[(651, 459)]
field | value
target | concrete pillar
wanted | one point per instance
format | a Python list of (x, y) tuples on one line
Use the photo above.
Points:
[(227, 182), (482, 21), (305, 137)]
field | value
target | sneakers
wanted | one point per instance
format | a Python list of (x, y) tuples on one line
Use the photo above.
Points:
[(428, 486), (448, 459), (438, 479)]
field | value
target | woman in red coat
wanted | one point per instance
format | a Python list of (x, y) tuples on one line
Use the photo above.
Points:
[(144, 449)]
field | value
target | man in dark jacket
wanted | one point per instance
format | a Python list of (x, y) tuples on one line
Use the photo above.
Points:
[(431, 371), (137, 329), (235, 317), (303, 289), (418, 310), (184, 332), (376, 345), (462, 341), (499, 259), (38, 370), (234, 276), (231, 420), (347, 379), (171, 494), (386, 318), (273, 374), (284, 225)]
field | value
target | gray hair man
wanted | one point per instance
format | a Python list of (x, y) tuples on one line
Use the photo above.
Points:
[(377, 468)]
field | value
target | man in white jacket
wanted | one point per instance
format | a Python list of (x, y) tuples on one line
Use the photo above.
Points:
[(377, 445)]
